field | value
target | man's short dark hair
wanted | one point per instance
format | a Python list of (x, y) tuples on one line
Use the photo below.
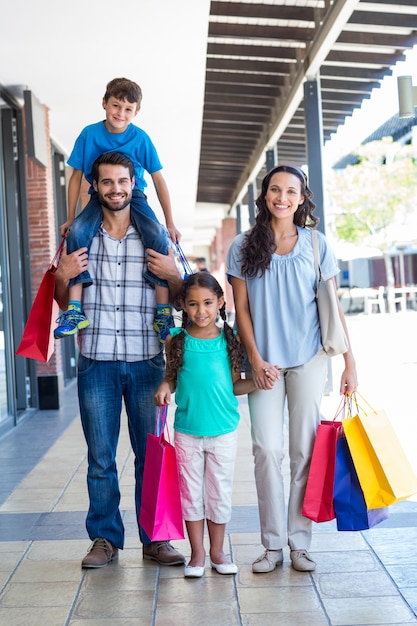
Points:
[(112, 158)]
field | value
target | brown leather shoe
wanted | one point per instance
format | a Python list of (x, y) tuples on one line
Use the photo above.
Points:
[(163, 553), (99, 554)]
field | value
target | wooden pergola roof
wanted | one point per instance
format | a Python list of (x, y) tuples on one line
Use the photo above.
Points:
[(259, 55)]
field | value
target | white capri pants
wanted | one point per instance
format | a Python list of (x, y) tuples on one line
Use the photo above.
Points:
[(303, 387), (206, 466)]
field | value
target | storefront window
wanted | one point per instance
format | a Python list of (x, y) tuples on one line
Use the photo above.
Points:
[(3, 391)]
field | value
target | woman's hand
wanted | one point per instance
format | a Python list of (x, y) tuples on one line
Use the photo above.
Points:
[(264, 374), (349, 379)]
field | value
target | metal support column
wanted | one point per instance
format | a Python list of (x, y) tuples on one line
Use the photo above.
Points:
[(314, 133), (238, 219), (251, 204), (271, 158)]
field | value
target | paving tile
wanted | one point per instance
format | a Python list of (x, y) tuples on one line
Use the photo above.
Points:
[(118, 604), (34, 616), (254, 600), (313, 618), (410, 595), (35, 594), (328, 541), (203, 613), (113, 578), (345, 561), (403, 576), (208, 589), (47, 571), (345, 585), (282, 576), (17, 526), (57, 550), (365, 611)]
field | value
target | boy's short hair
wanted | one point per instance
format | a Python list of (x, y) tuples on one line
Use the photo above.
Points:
[(112, 158), (123, 89)]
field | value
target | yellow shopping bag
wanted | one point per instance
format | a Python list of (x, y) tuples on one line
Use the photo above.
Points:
[(383, 469)]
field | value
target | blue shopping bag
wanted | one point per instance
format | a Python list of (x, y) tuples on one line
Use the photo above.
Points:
[(348, 501)]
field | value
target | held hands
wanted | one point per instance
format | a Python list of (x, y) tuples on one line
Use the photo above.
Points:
[(163, 394), (264, 374)]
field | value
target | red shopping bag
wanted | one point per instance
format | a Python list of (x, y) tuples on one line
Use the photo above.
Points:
[(160, 510), (318, 498), (38, 335)]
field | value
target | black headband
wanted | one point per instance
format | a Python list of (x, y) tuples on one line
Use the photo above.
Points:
[(297, 171)]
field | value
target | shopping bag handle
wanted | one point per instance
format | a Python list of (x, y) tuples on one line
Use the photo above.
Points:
[(53, 266), (161, 421), (340, 411), (184, 262), (359, 408)]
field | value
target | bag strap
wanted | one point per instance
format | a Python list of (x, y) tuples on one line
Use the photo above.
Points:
[(161, 421), (359, 408), (53, 266), (184, 262), (317, 266), (340, 411)]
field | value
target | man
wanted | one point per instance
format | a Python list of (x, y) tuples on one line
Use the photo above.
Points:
[(201, 264), (120, 357)]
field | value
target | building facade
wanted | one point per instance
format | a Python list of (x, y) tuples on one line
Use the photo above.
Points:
[(32, 206)]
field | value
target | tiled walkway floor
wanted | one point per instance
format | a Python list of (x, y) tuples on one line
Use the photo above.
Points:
[(364, 578)]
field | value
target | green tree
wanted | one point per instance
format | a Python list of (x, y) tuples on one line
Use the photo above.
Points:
[(368, 201)]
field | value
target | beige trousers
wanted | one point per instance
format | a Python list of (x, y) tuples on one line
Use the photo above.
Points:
[(302, 387)]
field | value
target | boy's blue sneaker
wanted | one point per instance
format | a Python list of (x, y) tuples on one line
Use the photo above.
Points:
[(163, 322), (69, 322)]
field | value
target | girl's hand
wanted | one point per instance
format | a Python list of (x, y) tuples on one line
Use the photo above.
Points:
[(163, 394), (264, 375)]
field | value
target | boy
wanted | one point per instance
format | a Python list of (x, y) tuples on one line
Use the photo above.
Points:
[(121, 103)]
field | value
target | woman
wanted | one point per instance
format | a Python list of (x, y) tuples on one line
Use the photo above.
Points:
[(271, 269)]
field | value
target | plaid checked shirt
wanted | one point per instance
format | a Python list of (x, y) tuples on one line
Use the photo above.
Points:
[(119, 304)]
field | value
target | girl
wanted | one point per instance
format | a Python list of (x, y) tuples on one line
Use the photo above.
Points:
[(273, 278), (203, 367)]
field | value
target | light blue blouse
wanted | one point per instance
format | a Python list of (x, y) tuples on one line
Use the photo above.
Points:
[(282, 301)]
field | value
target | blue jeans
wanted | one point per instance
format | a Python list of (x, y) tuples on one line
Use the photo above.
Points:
[(87, 223), (102, 385)]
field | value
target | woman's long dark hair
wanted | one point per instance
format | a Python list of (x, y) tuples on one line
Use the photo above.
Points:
[(176, 350), (259, 244)]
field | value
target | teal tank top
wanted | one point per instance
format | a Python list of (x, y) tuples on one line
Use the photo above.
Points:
[(206, 404)]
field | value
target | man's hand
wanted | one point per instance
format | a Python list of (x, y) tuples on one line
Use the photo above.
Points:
[(164, 266), (70, 266)]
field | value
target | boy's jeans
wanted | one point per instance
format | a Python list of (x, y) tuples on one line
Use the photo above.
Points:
[(87, 223), (101, 387)]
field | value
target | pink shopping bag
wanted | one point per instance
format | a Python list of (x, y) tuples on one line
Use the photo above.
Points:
[(160, 511)]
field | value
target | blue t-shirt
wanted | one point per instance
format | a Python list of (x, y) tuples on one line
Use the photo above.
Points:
[(206, 404), (282, 301), (95, 140)]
